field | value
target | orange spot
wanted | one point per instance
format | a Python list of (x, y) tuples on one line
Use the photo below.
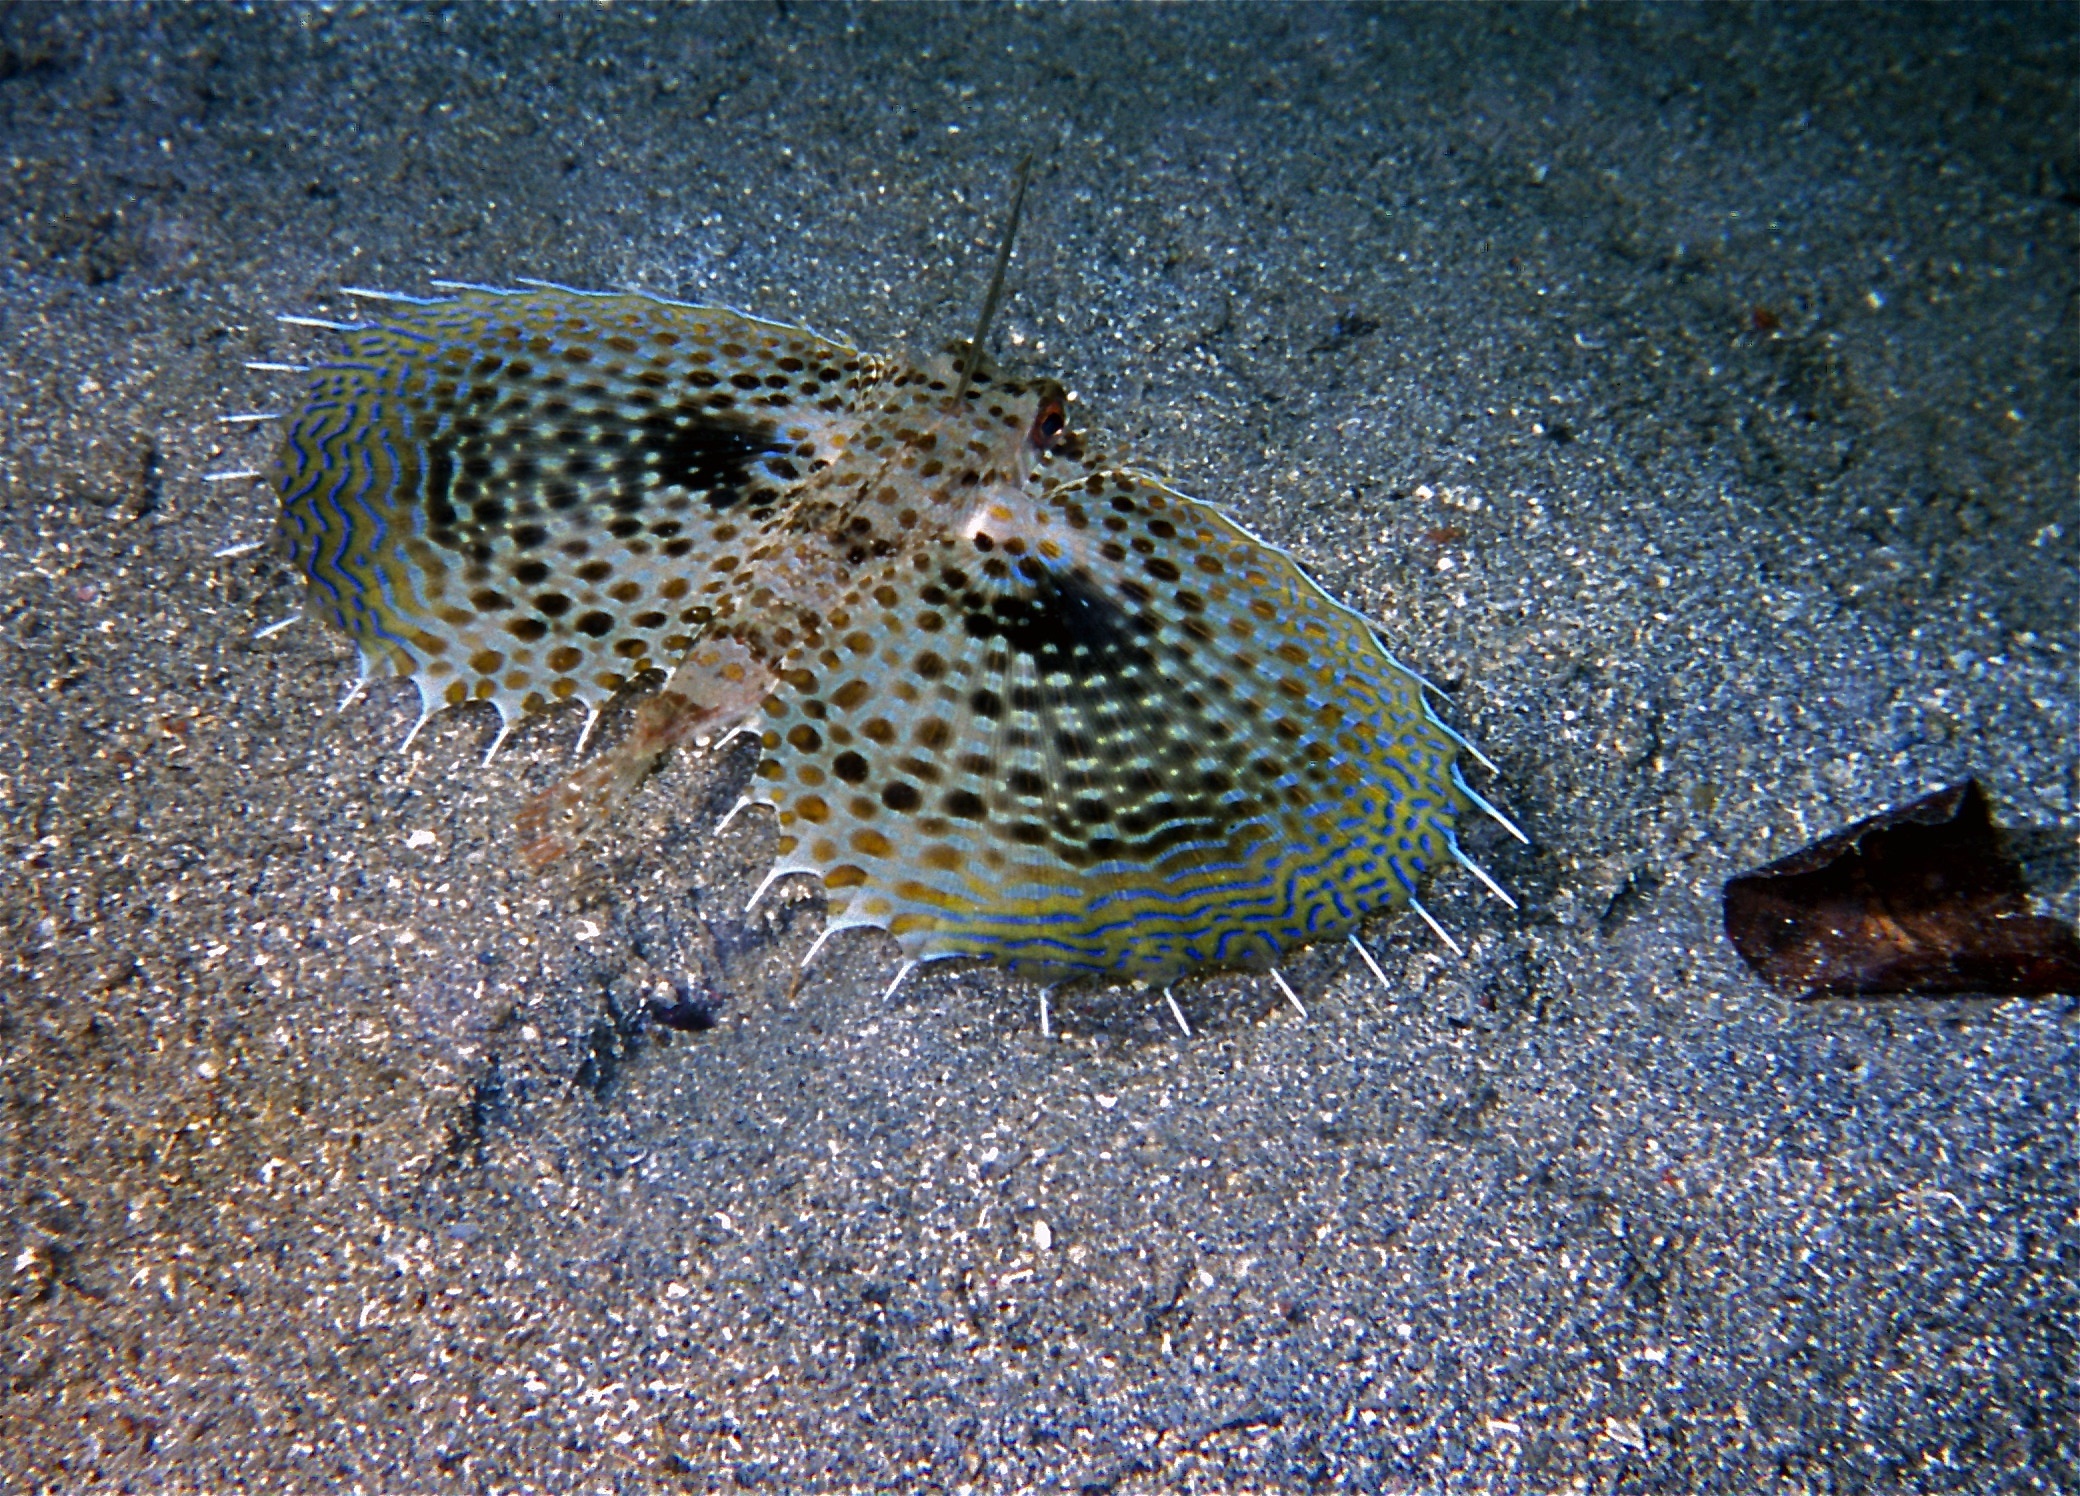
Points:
[(845, 875)]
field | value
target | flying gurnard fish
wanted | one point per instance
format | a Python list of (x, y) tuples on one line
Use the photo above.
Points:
[(1017, 701)]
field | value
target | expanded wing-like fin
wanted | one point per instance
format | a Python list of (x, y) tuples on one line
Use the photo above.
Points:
[(530, 497), (1107, 733)]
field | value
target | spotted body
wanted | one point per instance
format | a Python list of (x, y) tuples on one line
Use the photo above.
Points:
[(1016, 702)]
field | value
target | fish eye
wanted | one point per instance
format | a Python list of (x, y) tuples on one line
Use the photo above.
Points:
[(1048, 424)]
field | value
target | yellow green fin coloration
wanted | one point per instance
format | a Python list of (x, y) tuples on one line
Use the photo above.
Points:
[(1017, 702), (534, 497)]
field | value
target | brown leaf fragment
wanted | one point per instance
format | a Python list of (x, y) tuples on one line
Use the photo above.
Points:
[(1922, 901)]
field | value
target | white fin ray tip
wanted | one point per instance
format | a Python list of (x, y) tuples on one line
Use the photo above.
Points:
[(1437, 929), (1291, 996), (425, 716), (1371, 964), (1458, 737), (817, 945), (1488, 807), (591, 721), (455, 285), (744, 803), (773, 875), (1480, 872), (368, 295)]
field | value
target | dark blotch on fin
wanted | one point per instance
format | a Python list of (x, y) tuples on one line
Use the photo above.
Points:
[(1061, 614), (1923, 901), (709, 450)]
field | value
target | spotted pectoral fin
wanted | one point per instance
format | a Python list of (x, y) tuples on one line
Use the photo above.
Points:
[(529, 497), (1128, 750)]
